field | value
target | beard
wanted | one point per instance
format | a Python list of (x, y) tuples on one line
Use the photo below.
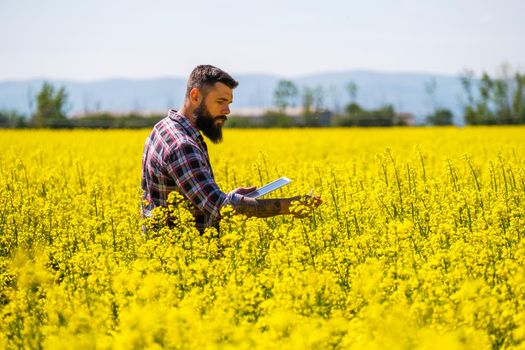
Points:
[(206, 123)]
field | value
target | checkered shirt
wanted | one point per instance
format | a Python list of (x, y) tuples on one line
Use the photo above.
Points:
[(176, 159)]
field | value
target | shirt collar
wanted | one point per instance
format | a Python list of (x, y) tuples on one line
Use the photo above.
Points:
[(192, 131)]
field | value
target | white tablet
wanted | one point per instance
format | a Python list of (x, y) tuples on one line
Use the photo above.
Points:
[(272, 186)]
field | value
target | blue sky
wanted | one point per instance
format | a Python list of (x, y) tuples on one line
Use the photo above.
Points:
[(94, 39)]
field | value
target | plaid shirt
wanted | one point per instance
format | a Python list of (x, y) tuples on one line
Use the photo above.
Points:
[(176, 159)]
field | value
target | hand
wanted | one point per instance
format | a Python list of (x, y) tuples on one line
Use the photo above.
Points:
[(244, 190), (305, 205), (311, 201), (314, 201)]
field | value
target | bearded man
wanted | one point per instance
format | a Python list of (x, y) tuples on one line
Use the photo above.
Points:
[(176, 157)]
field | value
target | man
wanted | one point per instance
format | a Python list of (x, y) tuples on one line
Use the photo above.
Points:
[(176, 157)]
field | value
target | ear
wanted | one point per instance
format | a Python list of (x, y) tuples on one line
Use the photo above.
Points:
[(195, 96)]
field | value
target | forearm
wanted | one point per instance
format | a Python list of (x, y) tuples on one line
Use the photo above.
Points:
[(264, 208)]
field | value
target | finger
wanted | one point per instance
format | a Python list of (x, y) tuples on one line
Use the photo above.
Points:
[(245, 190), (248, 189)]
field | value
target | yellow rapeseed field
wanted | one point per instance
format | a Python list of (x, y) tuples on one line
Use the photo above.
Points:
[(419, 244)]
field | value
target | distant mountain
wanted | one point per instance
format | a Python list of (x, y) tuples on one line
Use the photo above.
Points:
[(406, 91)]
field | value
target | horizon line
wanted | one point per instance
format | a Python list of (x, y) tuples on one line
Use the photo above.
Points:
[(269, 74)]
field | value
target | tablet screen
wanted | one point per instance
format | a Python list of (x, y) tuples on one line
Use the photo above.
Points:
[(272, 186)]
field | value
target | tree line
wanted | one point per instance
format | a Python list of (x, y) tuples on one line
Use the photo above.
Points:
[(488, 100), (51, 112), (500, 100)]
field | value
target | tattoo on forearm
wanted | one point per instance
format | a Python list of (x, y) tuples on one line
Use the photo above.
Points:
[(261, 208)]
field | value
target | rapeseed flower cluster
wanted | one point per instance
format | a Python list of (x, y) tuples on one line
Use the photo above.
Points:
[(419, 244)]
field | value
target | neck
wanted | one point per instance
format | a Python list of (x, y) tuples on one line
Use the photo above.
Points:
[(187, 112)]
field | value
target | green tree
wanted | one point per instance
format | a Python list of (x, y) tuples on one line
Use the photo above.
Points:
[(358, 116), (285, 94), (441, 116), (11, 119), (467, 82), (518, 98), (272, 119), (319, 97), (334, 93), (483, 111), (354, 109), (51, 106), (500, 100), (352, 89), (307, 100), (313, 105), (501, 96)]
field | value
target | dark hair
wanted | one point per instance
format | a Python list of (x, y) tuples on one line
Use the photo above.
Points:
[(204, 76)]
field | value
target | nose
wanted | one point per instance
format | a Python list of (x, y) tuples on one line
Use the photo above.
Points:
[(226, 110)]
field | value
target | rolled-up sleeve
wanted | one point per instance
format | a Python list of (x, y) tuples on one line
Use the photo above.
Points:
[(189, 169)]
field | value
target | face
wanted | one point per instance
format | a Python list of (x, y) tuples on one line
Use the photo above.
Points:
[(212, 112)]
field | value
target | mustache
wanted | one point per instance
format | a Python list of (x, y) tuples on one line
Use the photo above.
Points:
[(221, 117)]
